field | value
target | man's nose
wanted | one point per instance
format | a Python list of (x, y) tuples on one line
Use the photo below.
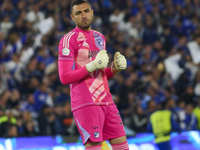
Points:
[(83, 15)]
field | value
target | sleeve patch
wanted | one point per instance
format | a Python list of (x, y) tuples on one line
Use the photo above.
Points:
[(65, 51)]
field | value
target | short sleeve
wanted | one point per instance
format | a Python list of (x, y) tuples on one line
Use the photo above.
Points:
[(67, 47)]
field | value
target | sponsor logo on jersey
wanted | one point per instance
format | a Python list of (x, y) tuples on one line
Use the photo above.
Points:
[(65, 51), (81, 37), (95, 127), (96, 34), (96, 134)]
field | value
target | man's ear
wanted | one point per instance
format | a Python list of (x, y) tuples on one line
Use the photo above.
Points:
[(72, 16), (92, 12)]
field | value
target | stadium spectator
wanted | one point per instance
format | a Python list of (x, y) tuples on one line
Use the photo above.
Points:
[(196, 111), (161, 124), (46, 121), (139, 120)]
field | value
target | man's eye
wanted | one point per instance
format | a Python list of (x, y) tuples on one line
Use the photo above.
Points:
[(77, 13)]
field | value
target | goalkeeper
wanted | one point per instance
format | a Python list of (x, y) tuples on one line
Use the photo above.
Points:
[(82, 63)]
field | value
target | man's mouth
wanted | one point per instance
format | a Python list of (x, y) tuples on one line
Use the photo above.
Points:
[(84, 20)]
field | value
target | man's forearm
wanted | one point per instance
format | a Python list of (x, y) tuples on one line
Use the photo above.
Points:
[(109, 73), (68, 76)]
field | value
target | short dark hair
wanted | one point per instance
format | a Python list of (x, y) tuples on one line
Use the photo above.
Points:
[(78, 2)]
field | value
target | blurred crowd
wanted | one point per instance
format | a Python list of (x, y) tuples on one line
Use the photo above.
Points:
[(159, 38)]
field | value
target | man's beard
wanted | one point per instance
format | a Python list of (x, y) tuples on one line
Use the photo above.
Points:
[(85, 25)]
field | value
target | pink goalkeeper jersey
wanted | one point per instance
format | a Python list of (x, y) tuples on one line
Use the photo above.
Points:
[(76, 49)]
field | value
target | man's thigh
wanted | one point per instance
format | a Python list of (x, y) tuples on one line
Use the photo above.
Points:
[(90, 122), (113, 126)]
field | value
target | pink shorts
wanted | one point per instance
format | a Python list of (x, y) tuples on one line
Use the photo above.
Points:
[(99, 123)]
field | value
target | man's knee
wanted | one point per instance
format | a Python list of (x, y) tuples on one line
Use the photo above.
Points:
[(118, 140), (97, 147), (119, 143), (93, 145)]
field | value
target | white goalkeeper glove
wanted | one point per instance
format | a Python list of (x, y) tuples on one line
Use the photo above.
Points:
[(100, 62), (119, 63)]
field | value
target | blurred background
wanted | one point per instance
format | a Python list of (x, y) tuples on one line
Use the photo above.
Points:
[(159, 38)]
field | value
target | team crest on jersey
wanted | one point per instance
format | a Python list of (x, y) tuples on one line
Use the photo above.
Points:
[(96, 134), (100, 42), (81, 37), (65, 51)]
